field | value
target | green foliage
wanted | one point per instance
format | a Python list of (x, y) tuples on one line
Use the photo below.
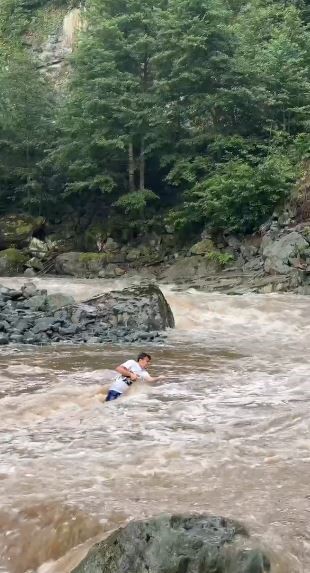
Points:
[(201, 106), (238, 97), (13, 20), (222, 259), (46, 21), (240, 196), (109, 105), (20, 17), (25, 128), (135, 202)]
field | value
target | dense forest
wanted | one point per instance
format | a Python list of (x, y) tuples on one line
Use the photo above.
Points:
[(184, 113)]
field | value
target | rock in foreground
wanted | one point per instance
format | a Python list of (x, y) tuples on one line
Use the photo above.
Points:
[(31, 316), (175, 544)]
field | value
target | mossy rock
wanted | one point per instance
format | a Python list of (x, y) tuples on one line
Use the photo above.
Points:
[(202, 247), (17, 230), (82, 264), (12, 262), (94, 262)]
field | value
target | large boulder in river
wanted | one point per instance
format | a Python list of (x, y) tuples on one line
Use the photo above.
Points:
[(17, 230), (282, 254), (175, 544), (138, 308)]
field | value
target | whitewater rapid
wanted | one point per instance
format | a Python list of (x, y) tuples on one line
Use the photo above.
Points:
[(226, 432)]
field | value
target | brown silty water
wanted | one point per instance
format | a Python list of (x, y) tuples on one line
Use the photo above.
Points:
[(226, 432)]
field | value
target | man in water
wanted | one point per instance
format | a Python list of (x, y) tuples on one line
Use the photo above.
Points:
[(129, 372)]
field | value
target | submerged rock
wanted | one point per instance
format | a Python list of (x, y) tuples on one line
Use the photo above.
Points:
[(175, 544)]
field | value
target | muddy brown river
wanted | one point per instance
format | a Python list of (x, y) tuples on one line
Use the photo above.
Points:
[(226, 432)]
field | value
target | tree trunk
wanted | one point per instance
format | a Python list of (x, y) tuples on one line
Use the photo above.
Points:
[(131, 168), (142, 165)]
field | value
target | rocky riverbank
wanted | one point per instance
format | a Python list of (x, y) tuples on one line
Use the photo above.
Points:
[(177, 543), (31, 316), (277, 259)]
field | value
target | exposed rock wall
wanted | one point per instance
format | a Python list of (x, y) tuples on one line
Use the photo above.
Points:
[(53, 55)]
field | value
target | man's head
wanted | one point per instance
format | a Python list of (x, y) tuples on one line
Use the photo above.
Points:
[(144, 359)]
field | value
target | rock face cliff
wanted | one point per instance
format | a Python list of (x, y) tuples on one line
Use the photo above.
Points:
[(52, 52)]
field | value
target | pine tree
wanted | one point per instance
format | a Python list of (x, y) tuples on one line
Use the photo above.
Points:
[(235, 77), (26, 126), (105, 126)]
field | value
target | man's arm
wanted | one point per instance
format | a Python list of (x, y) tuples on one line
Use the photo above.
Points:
[(149, 378), (125, 372)]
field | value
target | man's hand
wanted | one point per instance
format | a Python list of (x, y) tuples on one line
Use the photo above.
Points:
[(127, 373), (155, 378)]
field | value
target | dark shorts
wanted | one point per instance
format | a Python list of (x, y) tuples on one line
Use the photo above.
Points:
[(112, 395)]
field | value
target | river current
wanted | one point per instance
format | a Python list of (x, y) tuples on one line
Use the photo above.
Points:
[(226, 432)]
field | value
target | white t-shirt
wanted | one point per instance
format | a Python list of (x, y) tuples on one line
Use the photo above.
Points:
[(119, 384)]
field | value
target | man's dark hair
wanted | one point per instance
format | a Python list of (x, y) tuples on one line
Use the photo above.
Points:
[(143, 355)]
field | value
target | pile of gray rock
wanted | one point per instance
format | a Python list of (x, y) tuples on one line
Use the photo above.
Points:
[(31, 316)]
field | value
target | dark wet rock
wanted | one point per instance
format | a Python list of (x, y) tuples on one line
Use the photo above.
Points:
[(37, 302), (4, 326), (58, 300), (83, 312), (17, 338), (4, 291), (29, 289), (68, 331), (23, 324), (137, 308), (16, 294), (43, 324), (61, 315), (4, 339), (175, 544), (31, 316), (28, 339)]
